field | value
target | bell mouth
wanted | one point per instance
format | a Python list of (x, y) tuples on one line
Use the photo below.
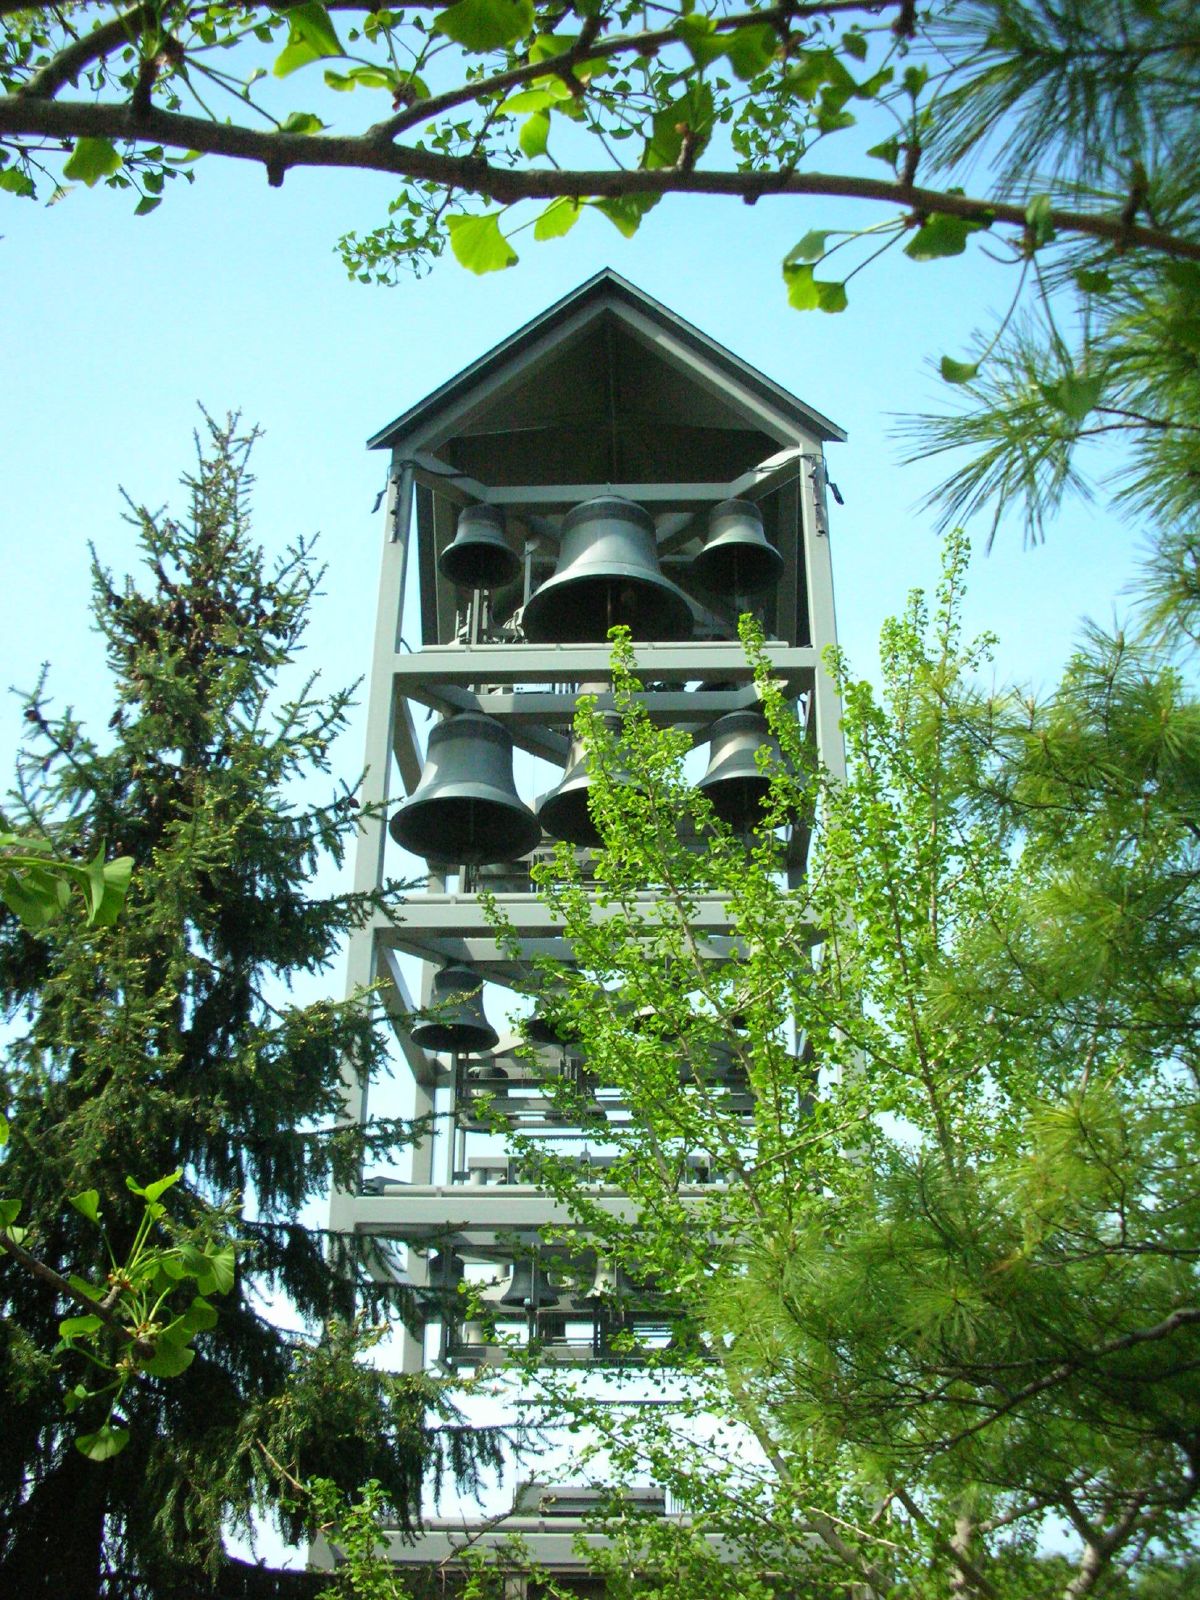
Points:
[(564, 813), (465, 1038), (579, 607), (474, 825), (479, 566)]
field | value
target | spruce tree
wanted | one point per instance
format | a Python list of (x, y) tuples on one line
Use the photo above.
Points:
[(172, 1040)]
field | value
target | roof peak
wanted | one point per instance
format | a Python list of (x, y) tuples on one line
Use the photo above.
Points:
[(606, 284)]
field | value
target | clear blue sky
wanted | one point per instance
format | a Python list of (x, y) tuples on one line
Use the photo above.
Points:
[(231, 294)]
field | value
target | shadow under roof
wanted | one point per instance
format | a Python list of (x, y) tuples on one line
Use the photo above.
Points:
[(606, 291)]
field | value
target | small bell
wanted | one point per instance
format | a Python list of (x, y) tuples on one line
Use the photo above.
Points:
[(564, 812), (479, 557), (458, 1021), (737, 558), (733, 782), (466, 807)]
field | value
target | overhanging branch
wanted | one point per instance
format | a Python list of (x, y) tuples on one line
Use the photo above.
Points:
[(279, 152)]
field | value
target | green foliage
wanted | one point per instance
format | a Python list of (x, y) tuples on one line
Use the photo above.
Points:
[(167, 1041), (943, 1296), (1093, 103)]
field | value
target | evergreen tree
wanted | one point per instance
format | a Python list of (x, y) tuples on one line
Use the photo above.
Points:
[(171, 1040)]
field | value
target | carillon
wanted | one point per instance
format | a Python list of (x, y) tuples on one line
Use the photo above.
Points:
[(608, 465)]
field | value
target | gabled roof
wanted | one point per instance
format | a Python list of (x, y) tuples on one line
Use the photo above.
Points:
[(607, 290)]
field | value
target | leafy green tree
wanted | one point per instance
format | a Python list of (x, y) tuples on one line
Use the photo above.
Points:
[(939, 1299), (168, 1041)]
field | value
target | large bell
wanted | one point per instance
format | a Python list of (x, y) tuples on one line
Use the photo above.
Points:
[(607, 574), (480, 557), (466, 807), (564, 811), (733, 783), (737, 558), (457, 1021), (527, 1289)]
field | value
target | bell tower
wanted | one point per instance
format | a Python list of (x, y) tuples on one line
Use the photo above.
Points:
[(607, 464)]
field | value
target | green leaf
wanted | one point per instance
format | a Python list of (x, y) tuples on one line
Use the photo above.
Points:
[(91, 160), (699, 34), (17, 182), (537, 99), (73, 1327), (105, 1443), (855, 45), (534, 134), (810, 248), (808, 293), (82, 1286), (888, 150), (155, 1191), (751, 49), (941, 235), (1074, 394), (559, 217), (626, 211), (691, 113), (482, 25), (958, 371), (294, 56), (302, 122), (117, 873), (1039, 216), (10, 1210), (478, 244), (914, 80), (312, 24), (3, 1130), (1092, 282), (169, 1359), (87, 1204), (198, 1317), (217, 1276)]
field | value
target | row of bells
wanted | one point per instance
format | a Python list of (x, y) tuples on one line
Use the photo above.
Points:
[(466, 808), (529, 1286), (458, 1023), (608, 572)]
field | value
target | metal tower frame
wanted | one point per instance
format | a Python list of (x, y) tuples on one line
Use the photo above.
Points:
[(605, 393)]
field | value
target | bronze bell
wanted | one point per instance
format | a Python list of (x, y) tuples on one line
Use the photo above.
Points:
[(480, 557), (458, 1022), (715, 1062), (466, 807), (737, 558), (564, 812), (733, 783), (540, 1030), (528, 1288), (607, 574)]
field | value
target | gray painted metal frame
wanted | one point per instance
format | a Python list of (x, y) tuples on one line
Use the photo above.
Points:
[(531, 689)]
